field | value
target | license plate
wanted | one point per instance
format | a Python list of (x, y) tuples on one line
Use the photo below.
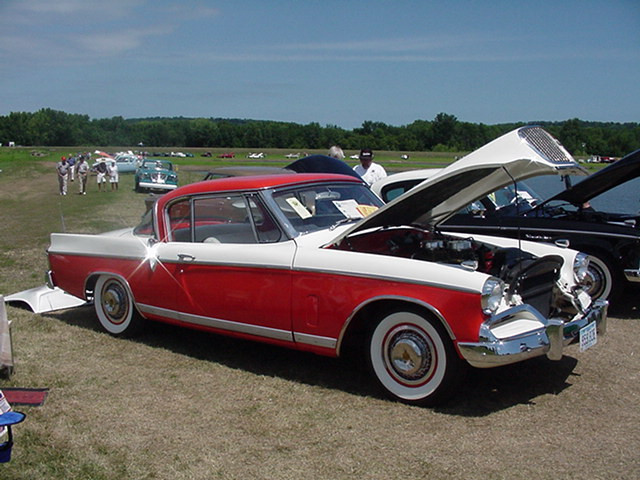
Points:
[(588, 336)]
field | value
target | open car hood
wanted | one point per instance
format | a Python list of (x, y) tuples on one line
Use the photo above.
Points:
[(517, 155), (597, 183)]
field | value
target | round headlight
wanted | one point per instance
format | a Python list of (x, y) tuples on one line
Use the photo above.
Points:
[(581, 267), (492, 293)]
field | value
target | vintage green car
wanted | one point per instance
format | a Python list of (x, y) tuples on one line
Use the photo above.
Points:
[(155, 174)]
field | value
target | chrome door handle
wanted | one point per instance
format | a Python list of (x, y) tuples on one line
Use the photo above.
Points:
[(185, 257)]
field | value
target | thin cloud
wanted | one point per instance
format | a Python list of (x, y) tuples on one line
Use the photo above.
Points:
[(117, 42), (75, 7)]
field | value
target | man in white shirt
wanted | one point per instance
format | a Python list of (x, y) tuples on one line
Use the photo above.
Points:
[(83, 171), (112, 171), (368, 170), (62, 168)]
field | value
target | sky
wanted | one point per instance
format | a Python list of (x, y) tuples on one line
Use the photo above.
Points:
[(332, 62)]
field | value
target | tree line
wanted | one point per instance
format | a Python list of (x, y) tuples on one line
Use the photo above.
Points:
[(48, 127)]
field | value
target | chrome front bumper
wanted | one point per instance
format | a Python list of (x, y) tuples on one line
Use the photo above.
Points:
[(548, 338), (157, 186)]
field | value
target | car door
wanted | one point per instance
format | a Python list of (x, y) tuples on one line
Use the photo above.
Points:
[(233, 265)]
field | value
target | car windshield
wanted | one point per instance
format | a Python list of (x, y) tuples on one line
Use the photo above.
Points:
[(509, 200), (311, 208), (158, 164)]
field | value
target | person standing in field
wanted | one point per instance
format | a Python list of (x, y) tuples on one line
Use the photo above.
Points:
[(82, 168), (368, 170), (336, 152), (71, 160), (101, 171), (112, 170), (63, 175)]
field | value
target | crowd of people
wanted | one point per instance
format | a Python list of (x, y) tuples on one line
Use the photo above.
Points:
[(69, 168), (72, 167)]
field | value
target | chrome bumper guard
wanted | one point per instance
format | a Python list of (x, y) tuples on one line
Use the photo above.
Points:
[(550, 339), (632, 275), (48, 280)]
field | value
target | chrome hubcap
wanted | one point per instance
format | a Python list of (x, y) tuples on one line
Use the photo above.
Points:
[(114, 302), (409, 354), (595, 281)]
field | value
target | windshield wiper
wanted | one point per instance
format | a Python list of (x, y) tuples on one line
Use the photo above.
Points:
[(341, 222)]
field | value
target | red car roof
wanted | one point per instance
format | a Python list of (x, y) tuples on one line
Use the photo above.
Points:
[(257, 182)]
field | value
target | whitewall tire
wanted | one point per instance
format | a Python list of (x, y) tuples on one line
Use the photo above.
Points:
[(413, 359), (114, 306), (600, 278)]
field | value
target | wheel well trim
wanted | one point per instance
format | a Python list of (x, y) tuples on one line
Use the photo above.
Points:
[(393, 298), (92, 279)]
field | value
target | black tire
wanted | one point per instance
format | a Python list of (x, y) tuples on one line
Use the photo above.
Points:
[(114, 307), (413, 359)]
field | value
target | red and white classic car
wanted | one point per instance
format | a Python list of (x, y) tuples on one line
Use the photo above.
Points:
[(316, 262)]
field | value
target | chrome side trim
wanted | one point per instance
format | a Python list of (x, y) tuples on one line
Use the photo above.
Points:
[(256, 330), (314, 340), (543, 233), (274, 333)]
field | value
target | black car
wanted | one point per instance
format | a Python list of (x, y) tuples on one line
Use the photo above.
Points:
[(612, 240), (310, 164)]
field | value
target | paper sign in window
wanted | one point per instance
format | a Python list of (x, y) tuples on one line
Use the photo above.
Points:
[(300, 209)]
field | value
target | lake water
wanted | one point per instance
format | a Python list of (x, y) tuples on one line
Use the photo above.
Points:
[(623, 199)]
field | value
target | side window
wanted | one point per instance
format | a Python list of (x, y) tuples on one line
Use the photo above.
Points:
[(266, 229), (179, 217), (389, 194), (222, 219)]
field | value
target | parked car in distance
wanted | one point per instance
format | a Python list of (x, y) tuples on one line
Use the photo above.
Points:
[(155, 174), (127, 163), (227, 155), (317, 262), (612, 240)]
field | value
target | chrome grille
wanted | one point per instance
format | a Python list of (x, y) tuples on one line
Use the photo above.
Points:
[(545, 144), (535, 282)]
